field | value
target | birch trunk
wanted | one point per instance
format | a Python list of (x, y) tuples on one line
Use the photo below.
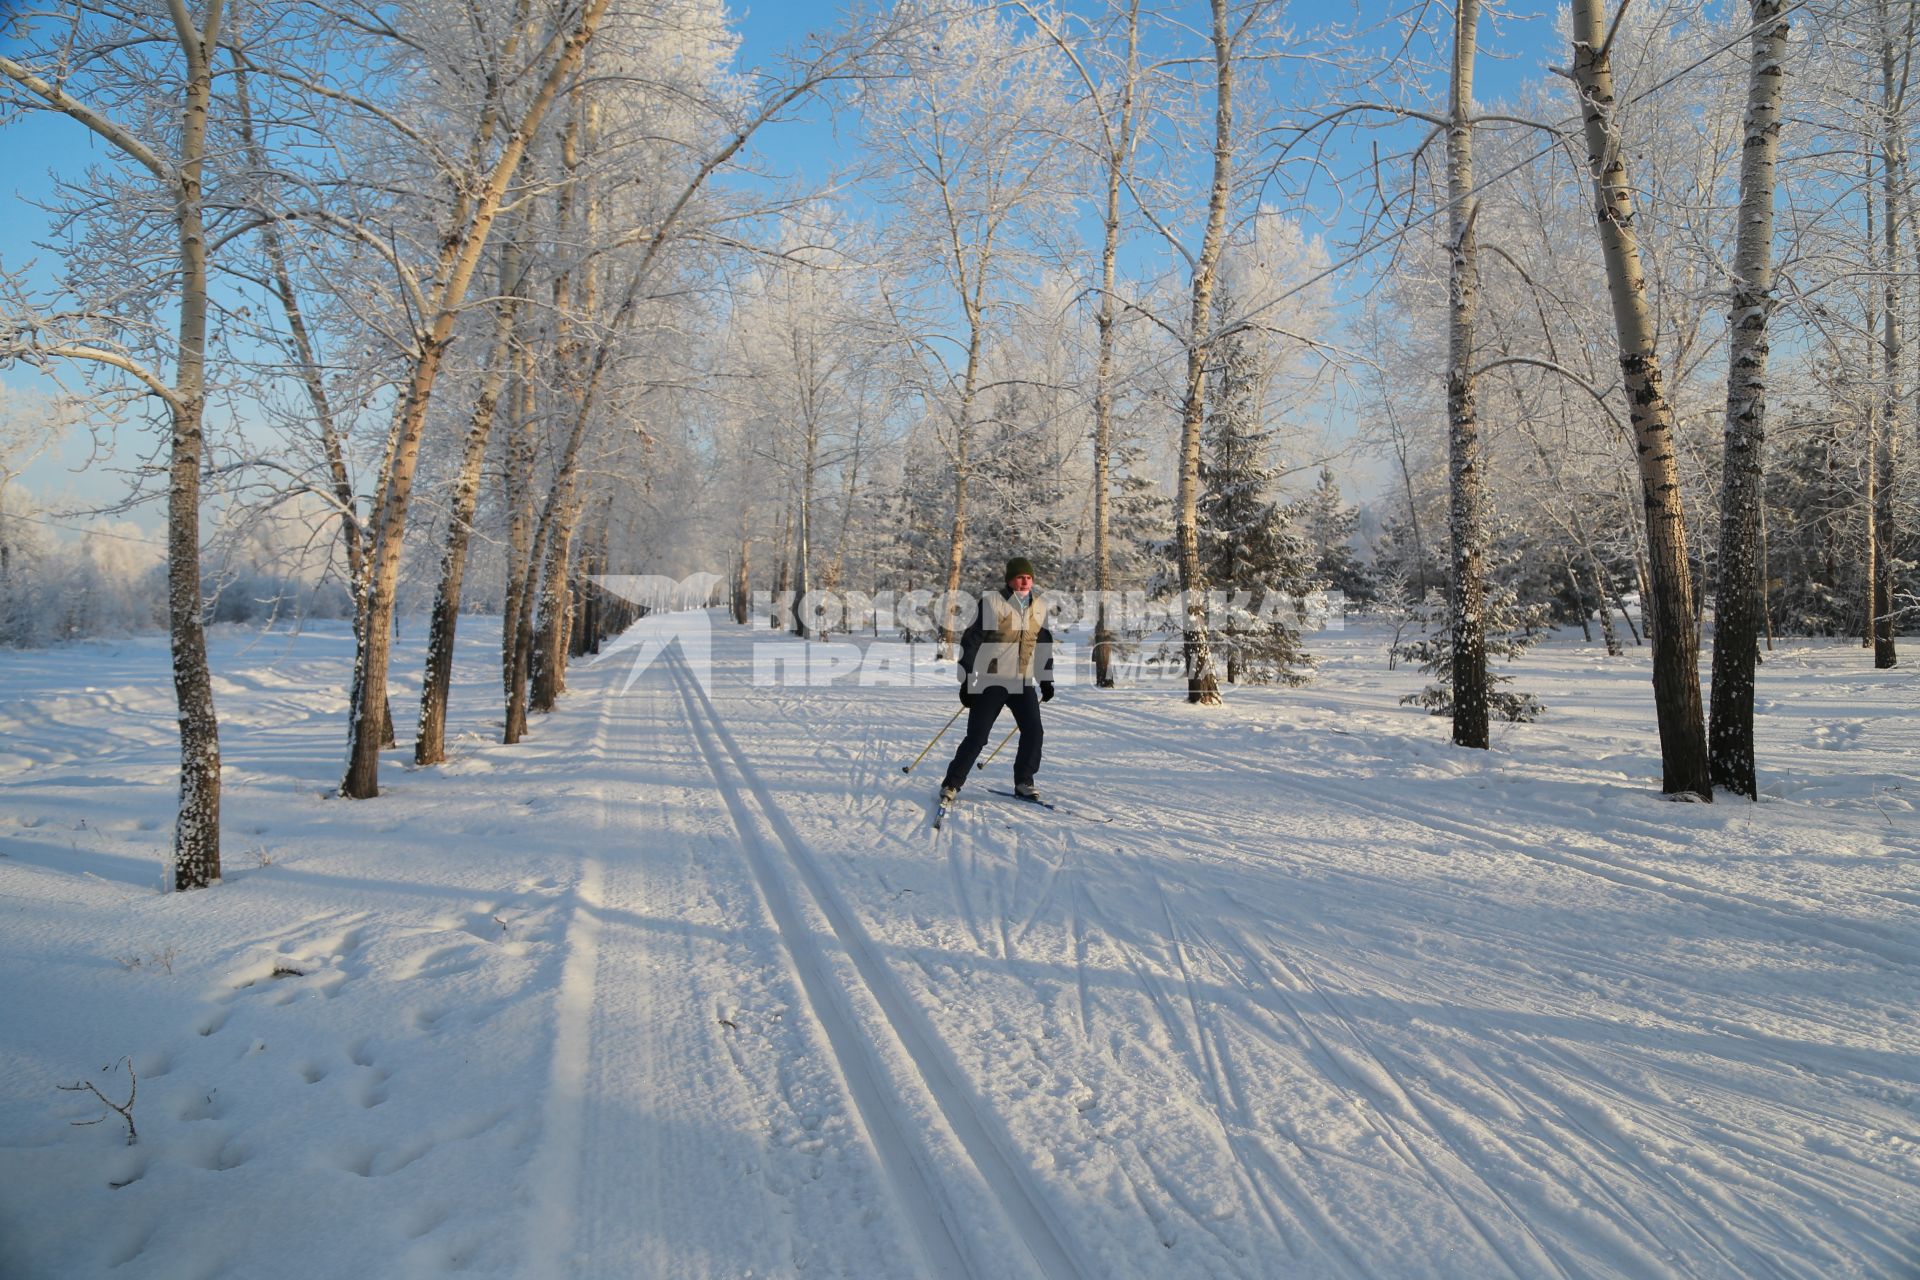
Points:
[(1885, 457), (1739, 605), (1467, 521), (430, 742), (517, 477), (1676, 656), (1608, 633), (570, 618), (803, 533), (742, 580), (1870, 411), (962, 468), (1203, 685), (548, 659), (522, 675), (548, 656), (548, 679), (196, 831), (783, 560), (460, 258), (1119, 153)]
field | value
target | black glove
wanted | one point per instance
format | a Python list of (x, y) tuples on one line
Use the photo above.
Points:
[(1046, 691), (966, 695)]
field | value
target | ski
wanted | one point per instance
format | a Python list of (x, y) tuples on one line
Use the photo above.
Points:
[(1050, 806)]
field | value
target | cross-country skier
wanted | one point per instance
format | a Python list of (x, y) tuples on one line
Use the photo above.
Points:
[(1006, 659)]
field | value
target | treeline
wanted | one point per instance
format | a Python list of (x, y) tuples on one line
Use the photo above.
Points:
[(489, 296)]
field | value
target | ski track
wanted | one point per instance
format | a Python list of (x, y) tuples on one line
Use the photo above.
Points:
[(1267, 1187), (1746, 1250), (704, 1087), (553, 1243), (1650, 1209), (1197, 1034), (1375, 802), (1393, 1014), (556, 1169), (914, 1177)]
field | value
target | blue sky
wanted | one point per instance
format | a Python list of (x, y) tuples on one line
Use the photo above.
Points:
[(1514, 50)]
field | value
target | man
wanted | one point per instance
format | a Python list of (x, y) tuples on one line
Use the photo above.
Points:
[(1006, 660)]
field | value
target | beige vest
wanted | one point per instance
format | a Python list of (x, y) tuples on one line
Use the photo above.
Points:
[(1008, 636)]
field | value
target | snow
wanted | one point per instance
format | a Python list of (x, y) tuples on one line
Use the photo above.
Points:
[(685, 986)]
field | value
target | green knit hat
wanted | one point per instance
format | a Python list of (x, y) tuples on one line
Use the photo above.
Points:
[(1017, 566)]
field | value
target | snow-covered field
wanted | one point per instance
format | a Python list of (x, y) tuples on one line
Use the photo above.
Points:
[(685, 986)]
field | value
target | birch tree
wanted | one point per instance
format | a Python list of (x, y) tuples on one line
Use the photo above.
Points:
[(1117, 100), (171, 148), (1676, 675), (1228, 32), (1895, 40), (1740, 601), (968, 132), (430, 741), (1467, 519), (442, 297), (669, 212), (798, 340)]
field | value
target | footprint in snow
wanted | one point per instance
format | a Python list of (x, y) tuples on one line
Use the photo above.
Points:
[(373, 1090), (133, 1242), (219, 1153), (426, 1220), (203, 1106), (439, 962), (1842, 735)]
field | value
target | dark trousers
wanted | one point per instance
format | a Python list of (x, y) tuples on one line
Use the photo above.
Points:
[(985, 710)]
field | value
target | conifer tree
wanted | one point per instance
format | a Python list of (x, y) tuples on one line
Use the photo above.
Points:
[(1020, 493), (1250, 548), (1328, 525)]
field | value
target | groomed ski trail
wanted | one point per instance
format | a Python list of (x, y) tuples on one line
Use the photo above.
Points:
[(692, 1126), (950, 1245)]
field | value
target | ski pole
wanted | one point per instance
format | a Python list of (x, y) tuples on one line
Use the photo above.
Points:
[(909, 768), (996, 751)]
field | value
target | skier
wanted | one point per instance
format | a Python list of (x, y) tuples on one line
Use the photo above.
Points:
[(1006, 659)]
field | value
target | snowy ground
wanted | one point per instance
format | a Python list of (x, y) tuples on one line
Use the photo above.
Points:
[(685, 986)]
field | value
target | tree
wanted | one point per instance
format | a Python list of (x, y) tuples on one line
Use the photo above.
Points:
[(466, 227), (797, 340), (1512, 628), (1117, 106), (430, 741), (1676, 675), (174, 155), (1739, 601), (1328, 525), (1249, 547), (968, 132), (1466, 515), (1227, 34), (1896, 55)]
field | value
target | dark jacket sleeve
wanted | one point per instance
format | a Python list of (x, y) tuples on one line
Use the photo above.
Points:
[(970, 641)]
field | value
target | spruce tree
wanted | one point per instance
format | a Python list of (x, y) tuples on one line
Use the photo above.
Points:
[(1328, 525), (1249, 545), (1019, 493)]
